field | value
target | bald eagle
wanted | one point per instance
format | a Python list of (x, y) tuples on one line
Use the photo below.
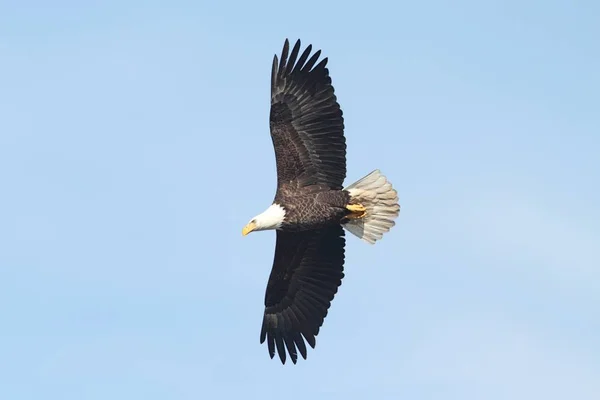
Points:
[(311, 208)]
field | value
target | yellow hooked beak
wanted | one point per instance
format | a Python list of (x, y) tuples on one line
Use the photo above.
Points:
[(249, 228)]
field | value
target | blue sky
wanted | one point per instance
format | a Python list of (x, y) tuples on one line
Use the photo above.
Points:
[(134, 146)]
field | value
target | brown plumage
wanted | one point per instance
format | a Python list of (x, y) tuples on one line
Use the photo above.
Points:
[(306, 122), (311, 207)]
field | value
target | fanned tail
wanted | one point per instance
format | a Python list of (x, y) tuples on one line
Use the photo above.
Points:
[(380, 201)]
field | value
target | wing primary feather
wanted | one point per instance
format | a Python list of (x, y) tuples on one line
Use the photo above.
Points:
[(291, 348), (292, 60), (302, 59), (280, 346), (284, 57), (322, 64), (274, 74), (300, 344), (263, 332), (308, 66), (271, 345), (310, 339)]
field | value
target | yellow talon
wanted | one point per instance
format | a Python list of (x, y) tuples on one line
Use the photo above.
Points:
[(357, 208), (358, 211)]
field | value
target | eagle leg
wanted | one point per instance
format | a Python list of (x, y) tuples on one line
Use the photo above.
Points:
[(357, 211)]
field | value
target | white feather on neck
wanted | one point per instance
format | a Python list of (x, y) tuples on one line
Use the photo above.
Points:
[(271, 218)]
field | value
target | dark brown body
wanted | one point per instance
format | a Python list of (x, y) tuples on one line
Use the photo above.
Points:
[(313, 210)]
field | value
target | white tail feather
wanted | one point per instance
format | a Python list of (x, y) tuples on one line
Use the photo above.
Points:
[(380, 199)]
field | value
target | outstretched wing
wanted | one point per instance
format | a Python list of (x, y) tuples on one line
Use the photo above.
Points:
[(306, 122), (307, 270)]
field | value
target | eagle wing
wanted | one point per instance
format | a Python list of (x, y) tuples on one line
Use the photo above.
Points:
[(307, 270), (306, 122)]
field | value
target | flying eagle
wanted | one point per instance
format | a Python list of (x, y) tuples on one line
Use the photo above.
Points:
[(311, 208)]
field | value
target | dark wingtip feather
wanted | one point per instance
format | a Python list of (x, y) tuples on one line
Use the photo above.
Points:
[(289, 344), (322, 63), (263, 334), (292, 58), (271, 345), (300, 344), (284, 56), (280, 347), (311, 62), (274, 72), (310, 339), (302, 59)]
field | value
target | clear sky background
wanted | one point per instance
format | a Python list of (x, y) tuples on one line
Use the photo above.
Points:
[(134, 146)]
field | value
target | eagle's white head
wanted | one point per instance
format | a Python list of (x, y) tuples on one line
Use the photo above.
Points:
[(272, 218)]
